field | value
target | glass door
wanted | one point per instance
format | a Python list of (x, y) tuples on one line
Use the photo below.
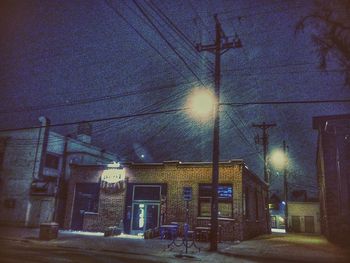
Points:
[(144, 216), (152, 216)]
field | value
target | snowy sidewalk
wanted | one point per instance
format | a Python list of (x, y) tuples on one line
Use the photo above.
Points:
[(275, 247)]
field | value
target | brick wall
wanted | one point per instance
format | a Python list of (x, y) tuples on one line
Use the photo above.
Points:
[(176, 176), (255, 214), (333, 185), (110, 204)]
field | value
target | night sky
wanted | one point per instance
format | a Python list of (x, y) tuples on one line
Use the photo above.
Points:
[(80, 60)]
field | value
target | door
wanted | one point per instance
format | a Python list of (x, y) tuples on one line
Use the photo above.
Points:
[(309, 224), (296, 223), (144, 216), (86, 200)]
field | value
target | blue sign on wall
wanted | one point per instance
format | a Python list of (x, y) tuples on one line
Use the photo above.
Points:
[(187, 193), (225, 191)]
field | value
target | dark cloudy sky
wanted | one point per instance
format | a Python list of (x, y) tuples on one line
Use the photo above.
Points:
[(80, 60)]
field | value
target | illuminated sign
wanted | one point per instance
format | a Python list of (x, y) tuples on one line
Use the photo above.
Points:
[(113, 175), (225, 191)]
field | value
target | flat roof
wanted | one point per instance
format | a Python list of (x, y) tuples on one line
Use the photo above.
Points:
[(175, 162)]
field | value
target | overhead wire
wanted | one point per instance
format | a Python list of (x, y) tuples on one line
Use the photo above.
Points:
[(242, 134), (189, 51), (285, 102), (144, 39), (179, 32), (167, 42)]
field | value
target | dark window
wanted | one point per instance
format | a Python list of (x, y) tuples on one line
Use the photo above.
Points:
[(147, 193), (225, 194), (52, 161)]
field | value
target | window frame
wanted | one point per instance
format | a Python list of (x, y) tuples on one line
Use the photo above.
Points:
[(208, 198)]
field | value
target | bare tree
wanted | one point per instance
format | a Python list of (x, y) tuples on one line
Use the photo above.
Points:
[(330, 24)]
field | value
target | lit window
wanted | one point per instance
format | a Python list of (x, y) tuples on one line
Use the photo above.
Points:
[(225, 200)]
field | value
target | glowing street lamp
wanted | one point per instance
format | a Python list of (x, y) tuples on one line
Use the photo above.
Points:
[(279, 159), (201, 104)]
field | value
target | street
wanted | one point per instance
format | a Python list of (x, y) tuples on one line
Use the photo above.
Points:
[(71, 247), (17, 251)]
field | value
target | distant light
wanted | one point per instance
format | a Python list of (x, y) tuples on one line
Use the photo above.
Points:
[(201, 103), (283, 203), (278, 159), (142, 156)]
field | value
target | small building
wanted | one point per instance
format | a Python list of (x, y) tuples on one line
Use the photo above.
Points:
[(304, 217), (333, 173), (146, 195), (34, 169)]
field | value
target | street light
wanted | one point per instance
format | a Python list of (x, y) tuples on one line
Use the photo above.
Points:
[(204, 105), (201, 104), (279, 160)]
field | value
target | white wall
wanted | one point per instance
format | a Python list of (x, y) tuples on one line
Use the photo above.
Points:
[(18, 170), (303, 209)]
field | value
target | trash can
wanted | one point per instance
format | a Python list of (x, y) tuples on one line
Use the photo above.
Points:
[(48, 231)]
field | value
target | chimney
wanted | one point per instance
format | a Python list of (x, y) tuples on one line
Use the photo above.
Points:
[(84, 132)]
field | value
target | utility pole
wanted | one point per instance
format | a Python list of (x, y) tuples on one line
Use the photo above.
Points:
[(265, 143), (221, 45), (285, 183)]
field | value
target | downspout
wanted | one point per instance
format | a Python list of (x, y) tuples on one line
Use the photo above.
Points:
[(35, 176), (46, 125), (340, 210), (60, 180)]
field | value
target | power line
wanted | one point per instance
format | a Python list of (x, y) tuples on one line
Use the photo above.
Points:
[(285, 102), (171, 34), (241, 134), (148, 43), (167, 42), (99, 120), (178, 31), (200, 18)]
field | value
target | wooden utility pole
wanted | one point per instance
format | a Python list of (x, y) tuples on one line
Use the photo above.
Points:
[(221, 45), (285, 183), (265, 143)]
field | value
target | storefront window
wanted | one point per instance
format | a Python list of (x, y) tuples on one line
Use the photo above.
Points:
[(225, 196)]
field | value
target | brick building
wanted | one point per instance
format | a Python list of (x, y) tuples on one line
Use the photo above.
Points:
[(333, 173), (34, 165), (147, 195)]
